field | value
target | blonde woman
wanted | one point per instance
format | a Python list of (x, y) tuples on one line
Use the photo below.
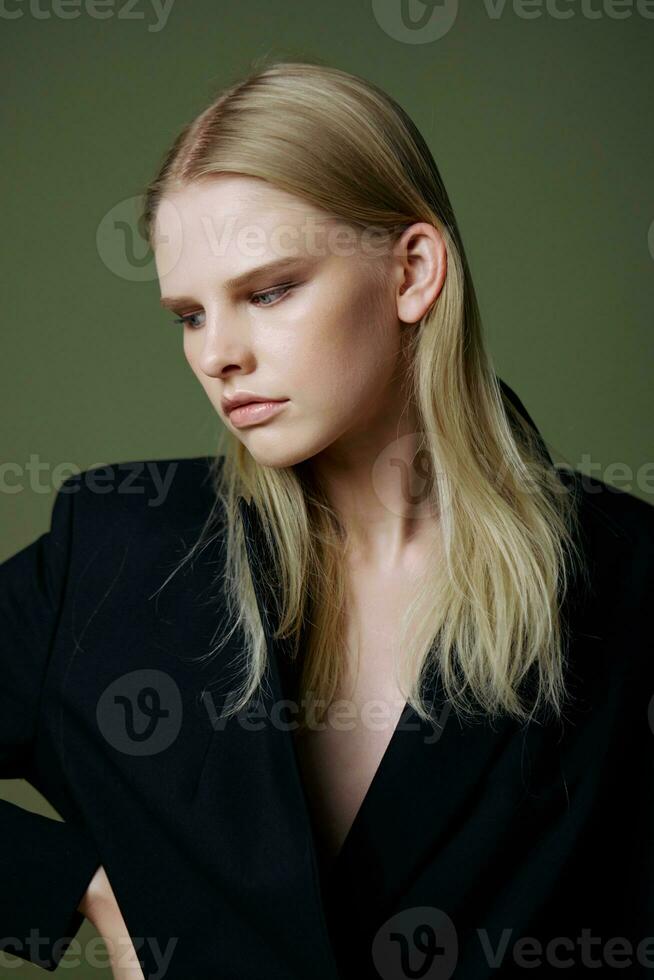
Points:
[(368, 692)]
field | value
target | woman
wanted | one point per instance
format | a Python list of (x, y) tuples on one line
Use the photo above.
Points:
[(441, 634)]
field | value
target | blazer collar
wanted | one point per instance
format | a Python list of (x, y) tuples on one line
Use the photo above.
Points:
[(515, 401)]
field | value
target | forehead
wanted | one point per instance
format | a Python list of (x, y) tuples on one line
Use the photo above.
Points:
[(226, 211), (229, 225)]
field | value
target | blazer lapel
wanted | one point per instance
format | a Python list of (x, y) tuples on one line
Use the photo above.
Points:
[(292, 810)]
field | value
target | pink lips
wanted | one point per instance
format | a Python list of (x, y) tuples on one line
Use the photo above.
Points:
[(253, 412)]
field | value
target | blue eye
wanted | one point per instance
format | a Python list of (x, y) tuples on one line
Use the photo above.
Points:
[(271, 292), (187, 319)]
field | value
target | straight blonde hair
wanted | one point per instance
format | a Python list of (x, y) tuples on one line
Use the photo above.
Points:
[(488, 615)]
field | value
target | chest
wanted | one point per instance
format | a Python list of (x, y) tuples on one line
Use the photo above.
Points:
[(339, 759)]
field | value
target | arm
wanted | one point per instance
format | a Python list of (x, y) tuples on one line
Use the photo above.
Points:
[(100, 907), (45, 865)]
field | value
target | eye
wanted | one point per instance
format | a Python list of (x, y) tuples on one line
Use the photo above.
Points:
[(187, 318), (271, 292)]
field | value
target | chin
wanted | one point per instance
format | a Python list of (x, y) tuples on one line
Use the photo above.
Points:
[(274, 457), (277, 452)]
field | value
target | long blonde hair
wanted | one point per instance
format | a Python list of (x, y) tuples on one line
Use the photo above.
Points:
[(487, 616)]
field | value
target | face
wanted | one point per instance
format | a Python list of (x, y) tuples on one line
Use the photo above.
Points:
[(320, 331)]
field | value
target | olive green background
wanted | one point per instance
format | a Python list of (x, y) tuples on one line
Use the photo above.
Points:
[(540, 123)]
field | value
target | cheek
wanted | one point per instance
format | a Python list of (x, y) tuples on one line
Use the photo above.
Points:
[(341, 370)]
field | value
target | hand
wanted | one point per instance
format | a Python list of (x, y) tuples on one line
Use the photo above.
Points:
[(100, 907)]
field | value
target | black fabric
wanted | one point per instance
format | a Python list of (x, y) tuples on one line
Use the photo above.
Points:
[(471, 837), (45, 865)]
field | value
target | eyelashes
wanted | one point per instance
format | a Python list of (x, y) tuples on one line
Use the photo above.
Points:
[(282, 290), (185, 319), (277, 290)]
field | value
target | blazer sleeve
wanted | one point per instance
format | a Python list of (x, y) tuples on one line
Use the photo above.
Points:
[(45, 864)]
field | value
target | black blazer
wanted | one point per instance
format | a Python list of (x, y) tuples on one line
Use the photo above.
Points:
[(476, 844)]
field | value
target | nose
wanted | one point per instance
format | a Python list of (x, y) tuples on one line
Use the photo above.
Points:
[(225, 346)]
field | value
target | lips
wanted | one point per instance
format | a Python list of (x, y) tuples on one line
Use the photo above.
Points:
[(240, 398), (253, 412), (241, 403), (251, 401)]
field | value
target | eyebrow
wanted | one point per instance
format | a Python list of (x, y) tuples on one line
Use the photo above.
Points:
[(249, 277)]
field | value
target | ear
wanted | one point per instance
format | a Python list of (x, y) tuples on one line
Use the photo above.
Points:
[(420, 262)]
